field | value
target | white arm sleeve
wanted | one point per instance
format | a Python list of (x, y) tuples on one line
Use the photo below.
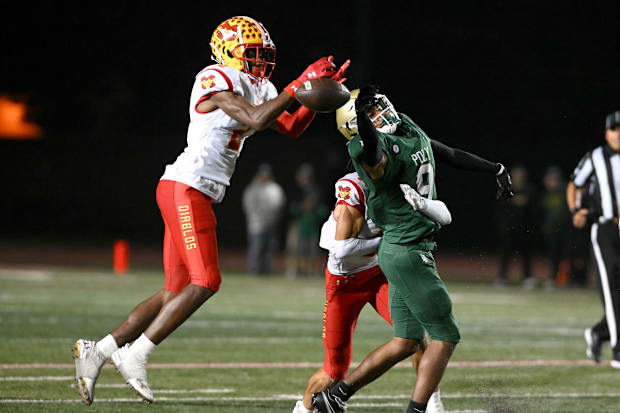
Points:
[(437, 211), (355, 247)]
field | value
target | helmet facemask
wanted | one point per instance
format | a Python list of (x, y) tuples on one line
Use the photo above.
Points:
[(383, 110), (258, 61)]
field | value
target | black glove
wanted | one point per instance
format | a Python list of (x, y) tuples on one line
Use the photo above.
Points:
[(504, 183), (366, 98)]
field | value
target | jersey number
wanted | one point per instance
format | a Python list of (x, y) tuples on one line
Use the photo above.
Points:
[(425, 180)]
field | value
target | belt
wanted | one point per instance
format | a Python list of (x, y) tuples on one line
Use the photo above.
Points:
[(603, 220)]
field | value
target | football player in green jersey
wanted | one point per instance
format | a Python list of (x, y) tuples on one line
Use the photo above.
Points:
[(393, 156)]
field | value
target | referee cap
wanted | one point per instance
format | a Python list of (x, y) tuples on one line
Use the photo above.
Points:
[(612, 120)]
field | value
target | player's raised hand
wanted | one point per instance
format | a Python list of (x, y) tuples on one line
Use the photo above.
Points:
[(366, 98), (339, 75), (504, 183), (324, 67), (413, 197)]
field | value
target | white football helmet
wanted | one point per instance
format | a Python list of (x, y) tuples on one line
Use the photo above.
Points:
[(382, 108)]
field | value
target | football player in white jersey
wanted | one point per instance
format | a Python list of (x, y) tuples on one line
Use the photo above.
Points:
[(353, 279), (229, 101)]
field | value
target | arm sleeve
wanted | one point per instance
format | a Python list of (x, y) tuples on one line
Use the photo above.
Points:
[(437, 211), (294, 124), (368, 133), (355, 247), (462, 160)]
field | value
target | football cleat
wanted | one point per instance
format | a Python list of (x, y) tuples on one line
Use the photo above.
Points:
[(593, 345), (615, 364), (434, 404), (300, 408), (325, 402), (88, 364), (133, 370)]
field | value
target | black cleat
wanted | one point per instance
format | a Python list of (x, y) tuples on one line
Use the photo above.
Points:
[(325, 402), (593, 345)]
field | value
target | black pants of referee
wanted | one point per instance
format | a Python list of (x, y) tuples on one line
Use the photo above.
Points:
[(606, 254)]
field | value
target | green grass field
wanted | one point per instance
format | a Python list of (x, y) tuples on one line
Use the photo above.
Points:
[(520, 351)]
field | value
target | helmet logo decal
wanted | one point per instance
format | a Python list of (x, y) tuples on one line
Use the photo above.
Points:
[(228, 32), (344, 192), (207, 82)]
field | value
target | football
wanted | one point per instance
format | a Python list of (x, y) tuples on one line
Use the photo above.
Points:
[(322, 95)]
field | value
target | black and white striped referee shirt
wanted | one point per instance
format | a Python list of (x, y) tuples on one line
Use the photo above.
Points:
[(600, 171)]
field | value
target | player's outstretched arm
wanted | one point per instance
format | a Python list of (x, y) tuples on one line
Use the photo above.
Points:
[(373, 159), (463, 160), (468, 161), (257, 117), (432, 208), (261, 116)]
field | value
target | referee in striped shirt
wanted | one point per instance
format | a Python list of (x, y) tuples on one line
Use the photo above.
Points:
[(597, 177)]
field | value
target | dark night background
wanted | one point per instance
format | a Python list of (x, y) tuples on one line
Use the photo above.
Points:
[(518, 82)]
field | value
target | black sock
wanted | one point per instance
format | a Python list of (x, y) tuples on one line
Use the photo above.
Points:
[(342, 391), (416, 407)]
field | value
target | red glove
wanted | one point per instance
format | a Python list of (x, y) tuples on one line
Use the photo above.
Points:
[(324, 67), (339, 76)]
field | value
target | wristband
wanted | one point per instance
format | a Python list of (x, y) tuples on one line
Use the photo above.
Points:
[(292, 87)]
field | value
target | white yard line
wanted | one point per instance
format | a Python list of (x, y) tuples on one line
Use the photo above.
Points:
[(402, 397), (38, 378), (308, 364)]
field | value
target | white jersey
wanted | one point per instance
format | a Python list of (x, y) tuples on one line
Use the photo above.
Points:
[(350, 190), (214, 139)]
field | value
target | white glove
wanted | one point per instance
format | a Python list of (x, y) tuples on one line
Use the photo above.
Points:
[(413, 197), (432, 208)]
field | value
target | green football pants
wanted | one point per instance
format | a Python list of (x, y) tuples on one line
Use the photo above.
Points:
[(418, 297)]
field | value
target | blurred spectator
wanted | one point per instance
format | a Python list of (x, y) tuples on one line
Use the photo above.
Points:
[(263, 200), (555, 225), (514, 224), (307, 213)]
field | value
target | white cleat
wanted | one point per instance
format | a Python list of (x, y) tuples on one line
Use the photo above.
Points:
[(434, 404), (300, 408), (88, 364), (615, 364), (133, 370)]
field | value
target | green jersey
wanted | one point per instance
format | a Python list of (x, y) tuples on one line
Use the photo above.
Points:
[(409, 161)]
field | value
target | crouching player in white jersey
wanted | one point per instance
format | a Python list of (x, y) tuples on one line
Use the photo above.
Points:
[(229, 102), (353, 279)]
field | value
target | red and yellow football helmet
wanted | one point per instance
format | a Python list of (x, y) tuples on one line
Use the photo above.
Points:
[(244, 44)]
